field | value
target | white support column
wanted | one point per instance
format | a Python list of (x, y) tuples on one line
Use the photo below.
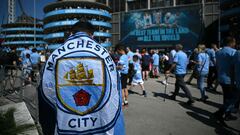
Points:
[(126, 6), (107, 2), (174, 3), (149, 4)]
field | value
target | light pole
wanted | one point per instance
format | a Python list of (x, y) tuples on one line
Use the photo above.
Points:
[(219, 24), (34, 12)]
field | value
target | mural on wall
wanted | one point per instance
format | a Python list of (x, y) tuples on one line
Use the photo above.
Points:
[(163, 27)]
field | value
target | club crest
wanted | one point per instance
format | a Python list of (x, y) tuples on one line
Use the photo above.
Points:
[(80, 84)]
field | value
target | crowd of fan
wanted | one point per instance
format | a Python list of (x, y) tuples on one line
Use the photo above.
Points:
[(28, 61), (221, 66)]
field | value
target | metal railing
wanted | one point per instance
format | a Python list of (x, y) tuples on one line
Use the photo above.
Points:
[(12, 80), (16, 88)]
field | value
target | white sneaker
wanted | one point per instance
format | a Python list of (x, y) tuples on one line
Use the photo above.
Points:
[(126, 102), (165, 82)]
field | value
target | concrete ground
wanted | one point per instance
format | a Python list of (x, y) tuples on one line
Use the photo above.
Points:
[(153, 116)]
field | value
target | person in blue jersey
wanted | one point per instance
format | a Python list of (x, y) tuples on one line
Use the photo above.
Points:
[(137, 78), (80, 91), (27, 68), (224, 64), (180, 65), (122, 67), (237, 80), (24, 52), (156, 60), (138, 54), (130, 64), (212, 75), (202, 70), (35, 59), (171, 56)]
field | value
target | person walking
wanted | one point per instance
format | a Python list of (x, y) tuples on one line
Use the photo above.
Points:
[(212, 75), (156, 60), (237, 80), (130, 64), (146, 59), (202, 71), (27, 69), (137, 78), (24, 52), (224, 64), (138, 54), (123, 68), (180, 64), (165, 63), (193, 59), (35, 59)]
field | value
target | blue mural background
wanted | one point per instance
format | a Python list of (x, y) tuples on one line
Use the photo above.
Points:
[(162, 27)]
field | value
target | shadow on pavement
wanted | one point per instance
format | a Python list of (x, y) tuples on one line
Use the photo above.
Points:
[(163, 95), (210, 103), (133, 92), (166, 96), (214, 92), (207, 118)]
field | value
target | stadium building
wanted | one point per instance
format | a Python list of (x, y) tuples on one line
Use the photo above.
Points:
[(21, 33), (61, 15)]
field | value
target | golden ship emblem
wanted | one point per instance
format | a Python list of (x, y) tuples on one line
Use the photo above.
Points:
[(80, 74)]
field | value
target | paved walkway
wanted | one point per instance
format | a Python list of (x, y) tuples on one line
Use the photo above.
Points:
[(153, 116)]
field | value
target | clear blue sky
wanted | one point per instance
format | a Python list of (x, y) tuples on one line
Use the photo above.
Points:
[(28, 8)]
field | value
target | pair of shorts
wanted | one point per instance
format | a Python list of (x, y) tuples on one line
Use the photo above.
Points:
[(137, 82), (145, 67), (124, 78)]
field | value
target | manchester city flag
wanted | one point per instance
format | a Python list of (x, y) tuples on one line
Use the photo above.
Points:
[(81, 83)]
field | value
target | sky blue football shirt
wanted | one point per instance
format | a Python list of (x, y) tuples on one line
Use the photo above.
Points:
[(181, 61), (130, 55), (224, 62), (203, 67), (212, 57), (155, 58), (237, 68), (35, 58), (123, 61)]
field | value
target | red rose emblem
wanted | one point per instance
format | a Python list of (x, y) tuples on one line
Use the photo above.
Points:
[(82, 98)]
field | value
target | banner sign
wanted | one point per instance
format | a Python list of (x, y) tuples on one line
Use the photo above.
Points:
[(161, 27)]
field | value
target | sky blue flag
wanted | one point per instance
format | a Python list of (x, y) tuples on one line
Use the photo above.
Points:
[(81, 83)]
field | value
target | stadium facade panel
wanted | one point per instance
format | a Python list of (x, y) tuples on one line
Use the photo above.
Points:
[(61, 15), (21, 34)]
